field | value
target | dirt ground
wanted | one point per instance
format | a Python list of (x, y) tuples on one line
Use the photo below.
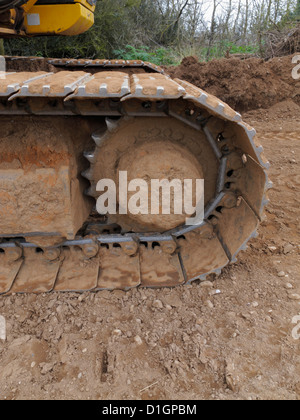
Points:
[(231, 338)]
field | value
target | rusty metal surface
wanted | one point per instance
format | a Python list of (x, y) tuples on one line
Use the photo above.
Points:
[(149, 148), (159, 269), (52, 85), (104, 85), (202, 98), (12, 82), (106, 64), (77, 272), (117, 269), (8, 272), (202, 253), (225, 149), (235, 226), (40, 280), (39, 187), (145, 86), (250, 182)]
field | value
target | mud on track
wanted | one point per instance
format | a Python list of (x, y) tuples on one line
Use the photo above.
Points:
[(191, 342)]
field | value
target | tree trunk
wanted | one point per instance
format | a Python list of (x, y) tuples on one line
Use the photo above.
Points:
[(2, 52), (245, 32), (212, 29), (298, 9)]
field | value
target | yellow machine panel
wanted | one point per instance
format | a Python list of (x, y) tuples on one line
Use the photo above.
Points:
[(27, 6), (46, 17), (61, 19)]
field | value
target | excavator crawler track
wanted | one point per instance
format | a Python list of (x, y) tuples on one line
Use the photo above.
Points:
[(137, 104)]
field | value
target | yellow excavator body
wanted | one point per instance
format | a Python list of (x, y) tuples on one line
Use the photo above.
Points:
[(46, 17)]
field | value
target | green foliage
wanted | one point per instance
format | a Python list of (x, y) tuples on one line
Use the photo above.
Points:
[(243, 49), (118, 24), (220, 49), (163, 32), (296, 13), (160, 56), (111, 28)]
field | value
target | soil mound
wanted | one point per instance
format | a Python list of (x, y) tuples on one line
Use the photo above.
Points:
[(26, 64), (243, 84)]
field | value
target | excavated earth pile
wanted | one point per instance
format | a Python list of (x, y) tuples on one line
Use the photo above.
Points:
[(243, 84)]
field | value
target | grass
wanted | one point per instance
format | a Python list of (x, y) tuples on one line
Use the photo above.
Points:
[(170, 57), (159, 56)]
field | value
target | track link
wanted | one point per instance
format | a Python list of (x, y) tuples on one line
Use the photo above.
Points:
[(112, 260)]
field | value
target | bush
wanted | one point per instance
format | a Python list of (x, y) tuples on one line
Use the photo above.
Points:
[(160, 56)]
